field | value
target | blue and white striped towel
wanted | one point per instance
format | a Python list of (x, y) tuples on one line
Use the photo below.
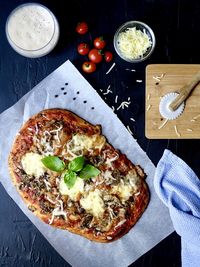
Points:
[(179, 188)]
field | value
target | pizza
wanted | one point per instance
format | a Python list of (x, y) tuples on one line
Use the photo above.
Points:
[(72, 178)]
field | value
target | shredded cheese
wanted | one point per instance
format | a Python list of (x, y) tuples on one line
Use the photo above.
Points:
[(120, 223), (58, 211), (176, 131), (149, 106), (158, 78), (196, 117), (124, 104), (111, 68), (189, 130), (110, 160), (47, 184), (128, 128), (108, 91), (130, 69), (116, 98), (163, 124), (133, 43), (138, 81)]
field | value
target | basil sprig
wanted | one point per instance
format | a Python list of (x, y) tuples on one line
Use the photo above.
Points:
[(76, 164), (88, 172), (54, 163), (70, 178), (76, 168)]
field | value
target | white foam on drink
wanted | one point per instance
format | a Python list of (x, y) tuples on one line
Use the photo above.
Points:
[(32, 30)]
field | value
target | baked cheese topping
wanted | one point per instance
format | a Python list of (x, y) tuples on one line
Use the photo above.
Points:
[(123, 191), (73, 192), (32, 165), (81, 143), (93, 203), (127, 187), (133, 43)]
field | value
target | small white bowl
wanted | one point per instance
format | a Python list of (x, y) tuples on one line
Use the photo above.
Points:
[(139, 26)]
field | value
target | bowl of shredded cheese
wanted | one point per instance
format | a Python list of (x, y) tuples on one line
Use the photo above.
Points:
[(134, 41)]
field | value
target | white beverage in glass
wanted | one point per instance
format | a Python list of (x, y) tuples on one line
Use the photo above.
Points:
[(32, 30)]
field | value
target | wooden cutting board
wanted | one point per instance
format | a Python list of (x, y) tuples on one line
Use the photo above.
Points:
[(174, 77)]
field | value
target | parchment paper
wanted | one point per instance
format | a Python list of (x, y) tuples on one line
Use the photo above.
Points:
[(155, 223)]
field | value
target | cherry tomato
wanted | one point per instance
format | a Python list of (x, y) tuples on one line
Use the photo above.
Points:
[(108, 56), (99, 42), (82, 28), (95, 55), (89, 67), (83, 49)]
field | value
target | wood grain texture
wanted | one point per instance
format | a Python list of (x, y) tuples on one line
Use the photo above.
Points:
[(175, 77)]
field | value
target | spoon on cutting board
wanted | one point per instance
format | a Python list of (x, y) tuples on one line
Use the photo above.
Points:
[(172, 104)]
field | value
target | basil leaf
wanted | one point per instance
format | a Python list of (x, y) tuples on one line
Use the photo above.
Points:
[(76, 165), (53, 163), (88, 172), (70, 178)]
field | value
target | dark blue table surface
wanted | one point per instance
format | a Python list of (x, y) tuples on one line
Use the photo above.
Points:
[(176, 26)]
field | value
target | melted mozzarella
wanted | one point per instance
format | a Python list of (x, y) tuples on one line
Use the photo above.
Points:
[(81, 142), (125, 191), (93, 203), (32, 164), (74, 191)]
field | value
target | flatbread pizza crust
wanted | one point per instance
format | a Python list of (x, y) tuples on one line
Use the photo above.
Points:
[(120, 190)]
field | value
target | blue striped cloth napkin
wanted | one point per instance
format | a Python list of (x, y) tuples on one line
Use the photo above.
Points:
[(179, 189)]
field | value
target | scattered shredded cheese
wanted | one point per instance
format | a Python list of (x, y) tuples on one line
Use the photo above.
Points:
[(196, 117), (111, 68), (113, 108), (189, 130), (129, 130), (58, 211), (176, 131), (149, 96), (133, 43), (109, 161), (192, 120), (138, 81), (137, 194), (149, 106), (50, 200), (108, 91), (120, 223), (47, 184), (30, 129), (124, 104), (163, 124), (159, 78), (36, 129), (132, 119), (116, 98), (130, 69)]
